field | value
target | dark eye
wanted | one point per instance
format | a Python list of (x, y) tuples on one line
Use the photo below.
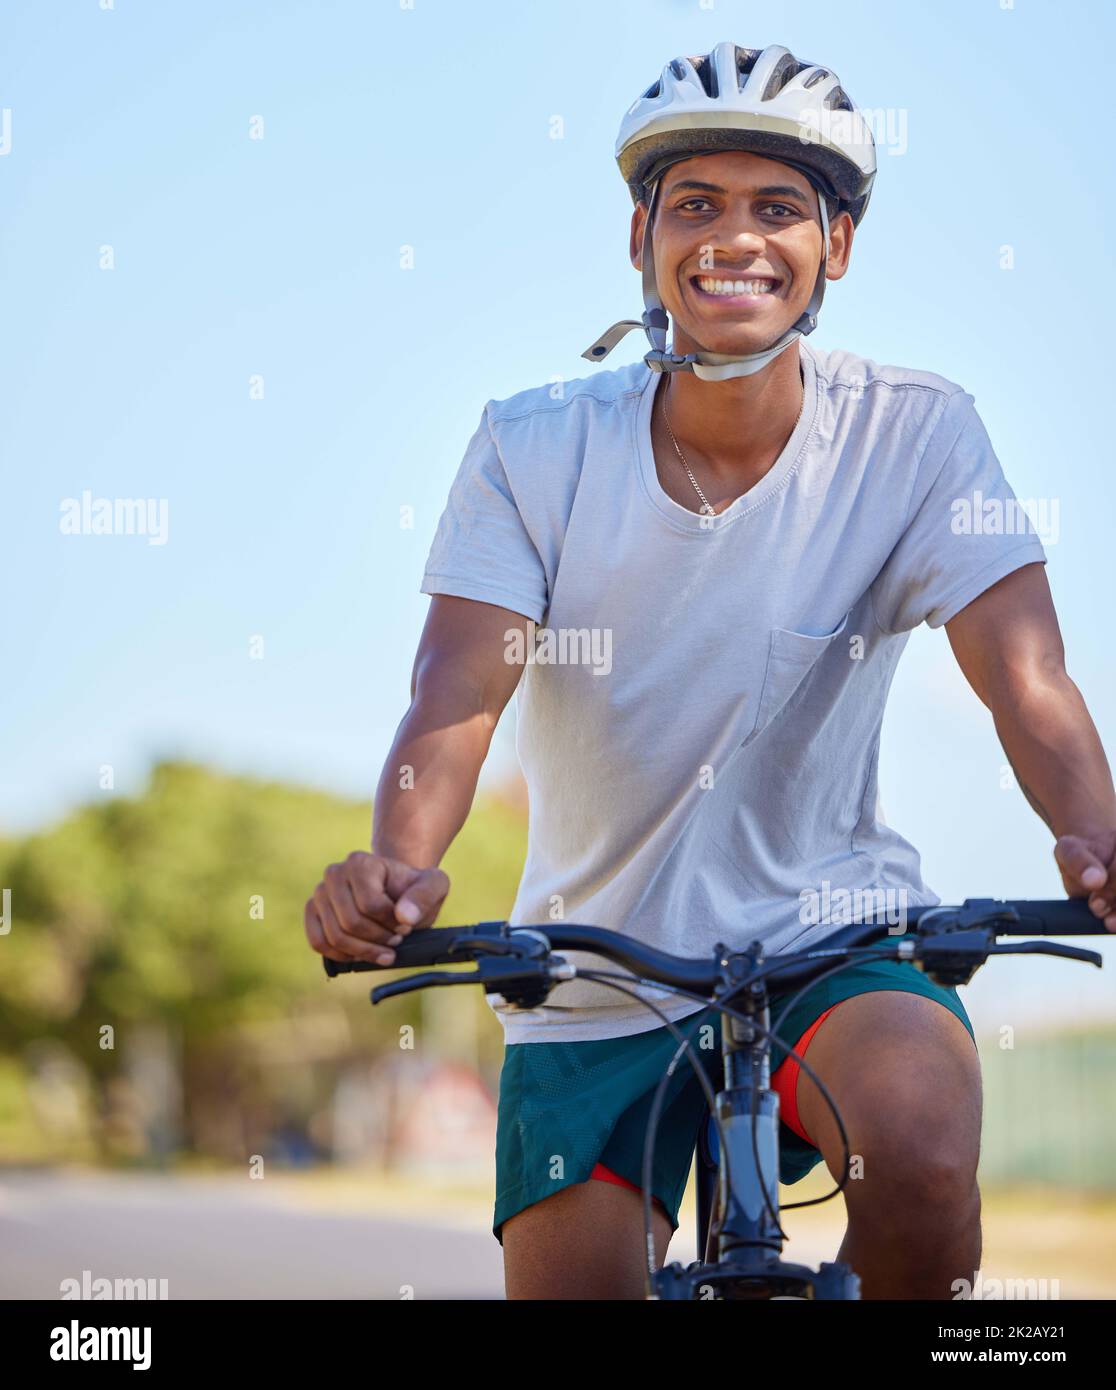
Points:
[(785, 207), (689, 202)]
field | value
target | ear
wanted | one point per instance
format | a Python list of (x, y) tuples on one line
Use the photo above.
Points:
[(639, 221), (841, 233)]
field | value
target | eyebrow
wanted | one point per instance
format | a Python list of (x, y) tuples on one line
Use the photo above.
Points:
[(771, 190)]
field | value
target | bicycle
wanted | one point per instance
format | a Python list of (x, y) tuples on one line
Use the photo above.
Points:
[(740, 1238)]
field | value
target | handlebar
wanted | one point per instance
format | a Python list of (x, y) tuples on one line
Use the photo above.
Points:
[(455, 945)]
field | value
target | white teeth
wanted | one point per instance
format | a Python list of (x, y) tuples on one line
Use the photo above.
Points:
[(734, 287)]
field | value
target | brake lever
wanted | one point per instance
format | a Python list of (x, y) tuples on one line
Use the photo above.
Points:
[(425, 979), (524, 984), (1050, 948), (954, 957)]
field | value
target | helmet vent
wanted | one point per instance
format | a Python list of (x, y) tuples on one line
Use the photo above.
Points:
[(707, 75), (815, 78), (745, 62), (838, 101), (784, 71)]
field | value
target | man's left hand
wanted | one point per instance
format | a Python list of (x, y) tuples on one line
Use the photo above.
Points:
[(1088, 868)]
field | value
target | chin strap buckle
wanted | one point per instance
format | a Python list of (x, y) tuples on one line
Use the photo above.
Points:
[(660, 361)]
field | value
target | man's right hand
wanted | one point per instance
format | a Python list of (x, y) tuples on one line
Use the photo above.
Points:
[(368, 904)]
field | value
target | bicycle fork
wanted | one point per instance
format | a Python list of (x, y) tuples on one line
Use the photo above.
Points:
[(745, 1228), (745, 1240)]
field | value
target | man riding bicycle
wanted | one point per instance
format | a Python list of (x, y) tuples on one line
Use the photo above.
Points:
[(726, 545)]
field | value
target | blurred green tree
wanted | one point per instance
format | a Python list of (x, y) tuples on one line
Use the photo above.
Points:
[(182, 908)]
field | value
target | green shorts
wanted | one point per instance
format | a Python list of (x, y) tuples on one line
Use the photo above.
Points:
[(565, 1107)]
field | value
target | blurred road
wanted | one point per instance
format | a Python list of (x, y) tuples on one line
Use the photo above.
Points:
[(332, 1234), (230, 1238), (286, 1237)]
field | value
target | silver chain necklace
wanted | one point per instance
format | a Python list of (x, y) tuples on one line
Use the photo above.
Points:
[(706, 509)]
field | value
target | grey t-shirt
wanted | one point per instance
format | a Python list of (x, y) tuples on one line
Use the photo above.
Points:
[(699, 729)]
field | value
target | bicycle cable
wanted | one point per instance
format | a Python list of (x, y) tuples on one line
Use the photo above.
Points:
[(859, 953), (836, 970), (684, 1047), (609, 979)]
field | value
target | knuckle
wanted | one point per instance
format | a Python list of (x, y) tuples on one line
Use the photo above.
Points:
[(366, 868), (368, 903)]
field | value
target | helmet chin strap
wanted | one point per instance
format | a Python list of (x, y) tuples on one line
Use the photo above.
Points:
[(708, 366)]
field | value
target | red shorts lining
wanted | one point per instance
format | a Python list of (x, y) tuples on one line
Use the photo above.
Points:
[(603, 1174), (785, 1079), (784, 1082)]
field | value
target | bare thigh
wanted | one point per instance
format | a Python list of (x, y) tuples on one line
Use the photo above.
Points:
[(905, 1075), (585, 1242)]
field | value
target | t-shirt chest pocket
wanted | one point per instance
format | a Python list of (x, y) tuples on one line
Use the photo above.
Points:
[(791, 657)]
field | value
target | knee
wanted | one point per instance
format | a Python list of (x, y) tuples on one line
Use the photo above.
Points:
[(912, 1115), (936, 1184), (921, 1181)]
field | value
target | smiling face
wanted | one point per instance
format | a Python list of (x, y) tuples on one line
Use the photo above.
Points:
[(738, 243)]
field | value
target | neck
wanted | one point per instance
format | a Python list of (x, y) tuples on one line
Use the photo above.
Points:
[(737, 428)]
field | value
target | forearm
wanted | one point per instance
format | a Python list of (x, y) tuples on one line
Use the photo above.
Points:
[(1056, 753), (430, 777)]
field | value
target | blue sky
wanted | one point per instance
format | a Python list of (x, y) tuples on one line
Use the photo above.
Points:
[(280, 259)]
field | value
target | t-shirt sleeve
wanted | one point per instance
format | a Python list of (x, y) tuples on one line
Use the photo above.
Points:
[(482, 549), (966, 529)]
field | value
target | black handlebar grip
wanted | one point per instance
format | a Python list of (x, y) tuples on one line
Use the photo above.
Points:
[(345, 967), (424, 946), (1057, 917)]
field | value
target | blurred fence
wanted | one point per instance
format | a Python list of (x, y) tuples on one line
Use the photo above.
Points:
[(1050, 1111)]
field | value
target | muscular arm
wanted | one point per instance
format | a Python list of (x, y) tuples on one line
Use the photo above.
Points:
[(1009, 646), (461, 682)]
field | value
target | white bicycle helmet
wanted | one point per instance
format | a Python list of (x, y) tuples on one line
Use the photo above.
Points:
[(766, 102)]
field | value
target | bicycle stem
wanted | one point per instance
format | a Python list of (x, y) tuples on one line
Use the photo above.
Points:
[(747, 1225)]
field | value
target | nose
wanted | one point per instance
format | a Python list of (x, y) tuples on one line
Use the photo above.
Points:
[(738, 245), (742, 248)]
